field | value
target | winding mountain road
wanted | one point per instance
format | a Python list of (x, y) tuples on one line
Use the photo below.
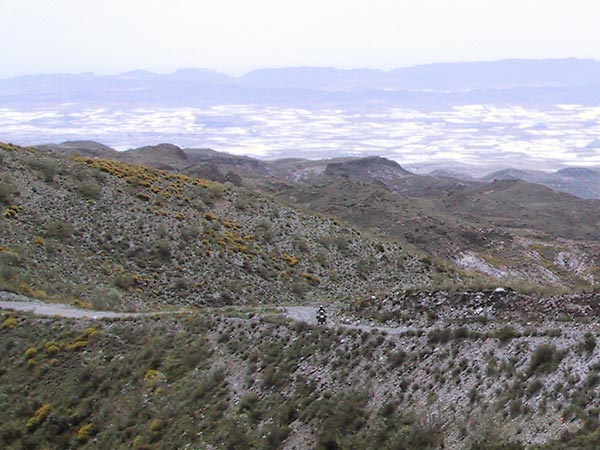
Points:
[(308, 314)]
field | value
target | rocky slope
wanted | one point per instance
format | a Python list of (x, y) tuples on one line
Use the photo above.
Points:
[(123, 236), (476, 371), (514, 231)]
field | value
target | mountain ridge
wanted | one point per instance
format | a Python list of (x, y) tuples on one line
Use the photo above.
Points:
[(446, 75), (534, 82)]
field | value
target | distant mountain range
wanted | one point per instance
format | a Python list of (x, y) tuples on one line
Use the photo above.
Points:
[(505, 74), (508, 81)]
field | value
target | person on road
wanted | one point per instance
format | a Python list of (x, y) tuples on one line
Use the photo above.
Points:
[(321, 315)]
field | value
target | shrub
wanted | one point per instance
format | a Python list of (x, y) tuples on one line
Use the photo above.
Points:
[(156, 426), (124, 281), (534, 387), (506, 334), (105, 298), (396, 359), (592, 380), (40, 415), (151, 375), (340, 420), (388, 409), (89, 189), (272, 378), (241, 203), (190, 233), (342, 242), (10, 323), (38, 241), (299, 288), (85, 432), (545, 358), (588, 344), (31, 352), (274, 436), (12, 211), (181, 284), (162, 250), (58, 229), (217, 190), (460, 333), (425, 434), (47, 167), (248, 401), (143, 196), (52, 347), (77, 345), (439, 336), (7, 190), (291, 260)]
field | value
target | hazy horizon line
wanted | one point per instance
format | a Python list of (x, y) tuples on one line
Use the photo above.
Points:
[(241, 74)]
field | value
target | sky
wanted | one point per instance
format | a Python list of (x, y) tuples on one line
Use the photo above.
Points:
[(236, 36)]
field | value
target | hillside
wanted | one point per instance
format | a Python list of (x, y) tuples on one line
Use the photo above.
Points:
[(115, 235), (514, 203), (403, 363), (472, 371), (519, 233), (582, 182)]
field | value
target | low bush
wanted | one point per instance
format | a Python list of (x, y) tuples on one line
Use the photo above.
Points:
[(40, 416), (58, 229), (545, 358), (506, 334), (89, 190), (439, 336), (7, 190)]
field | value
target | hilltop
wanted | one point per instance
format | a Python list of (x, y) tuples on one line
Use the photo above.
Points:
[(579, 181)]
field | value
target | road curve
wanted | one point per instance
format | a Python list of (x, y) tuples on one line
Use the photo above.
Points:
[(307, 314)]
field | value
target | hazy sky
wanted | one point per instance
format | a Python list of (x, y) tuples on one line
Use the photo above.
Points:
[(234, 36)]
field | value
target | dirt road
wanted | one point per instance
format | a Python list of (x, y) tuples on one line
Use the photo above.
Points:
[(306, 314), (17, 302)]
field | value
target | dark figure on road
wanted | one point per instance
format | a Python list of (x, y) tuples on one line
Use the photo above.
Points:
[(321, 316)]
